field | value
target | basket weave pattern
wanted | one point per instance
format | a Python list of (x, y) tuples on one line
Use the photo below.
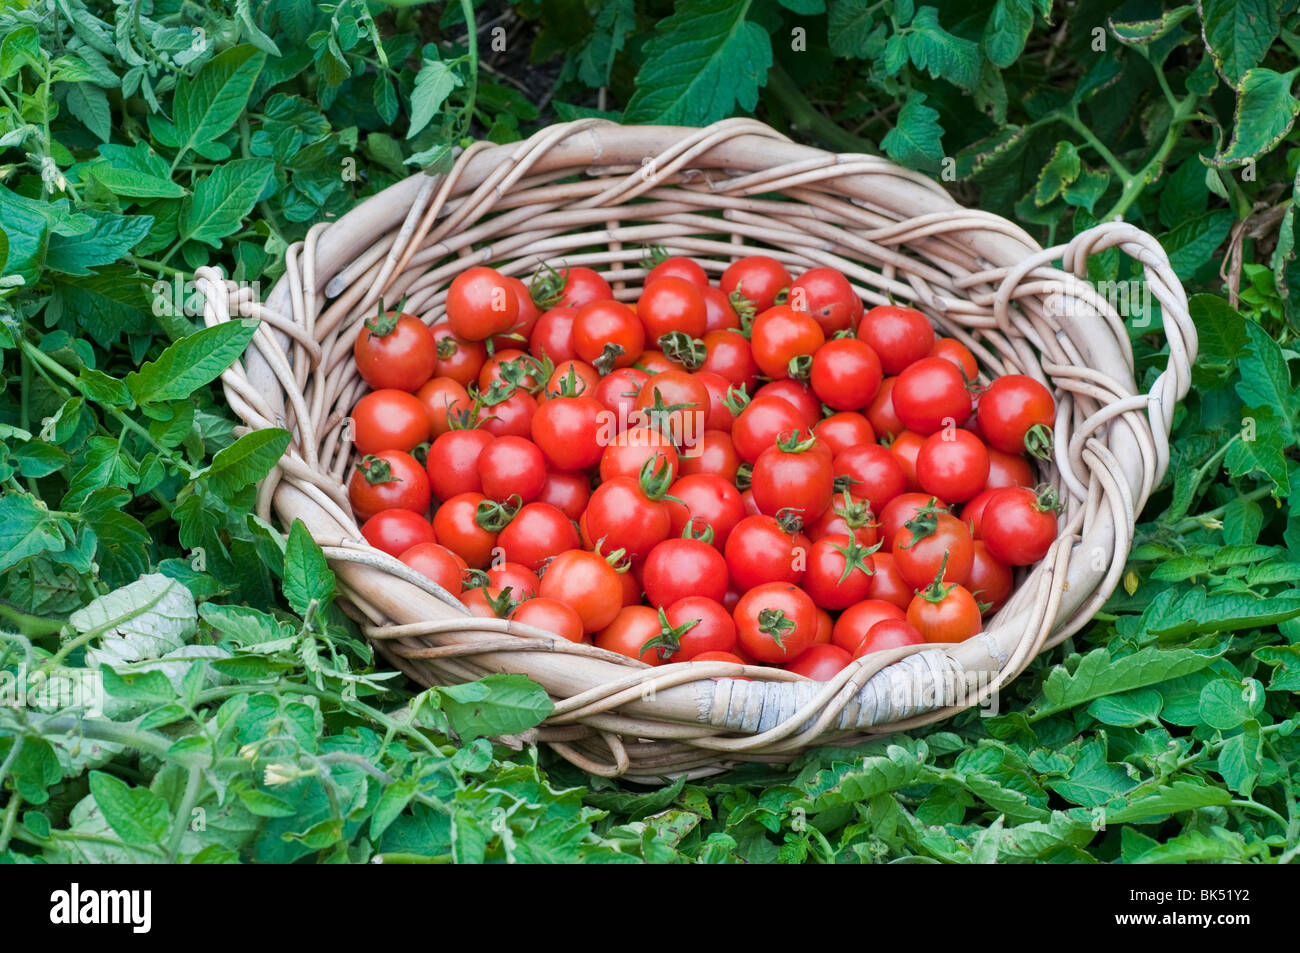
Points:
[(595, 193)]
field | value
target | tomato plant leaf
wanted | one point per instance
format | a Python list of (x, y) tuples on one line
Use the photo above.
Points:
[(190, 362), (139, 816), (307, 576)]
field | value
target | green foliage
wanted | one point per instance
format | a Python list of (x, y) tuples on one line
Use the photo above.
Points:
[(243, 717)]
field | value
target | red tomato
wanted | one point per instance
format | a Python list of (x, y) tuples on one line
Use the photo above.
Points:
[(729, 355), (888, 584), (516, 577), (820, 663), (396, 531), (654, 361), (871, 473), (932, 541), (798, 394), (607, 334), (825, 625), (566, 490), (629, 515), (715, 454), (844, 430), (839, 572), (846, 516), (972, 513), (568, 429), (629, 633), (705, 500), (1019, 525), (511, 466), (678, 568), (762, 549), (828, 297), (553, 335), (757, 279), (1008, 469), (391, 480), (930, 395), (889, 634), (395, 351), (512, 366), (795, 474), (453, 462), (481, 303), (457, 358), (672, 304), (906, 447), (678, 267), (677, 403), (880, 412), (898, 511), (899, 336), (445, 400), (759, 424), (855, 621), (389, 420), (518, 335), (950, 349), (784, 341), (618, 389), (586, 583), (438, 563), (632, 449), (698, 625), (457, 528), (537, 532), (990, 581), (776, 622), (583, 286), (551, 615), (846, 374), (719, 314), (952, 464), (510, 411), (1010, 408), (719, 416), (945, 614)]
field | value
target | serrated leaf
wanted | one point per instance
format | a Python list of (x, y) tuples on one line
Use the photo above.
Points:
[(1191, 244), (944, 55), (914, 141), (222, 199), (1098, 673), (1061, 169), (1092, 781), (702, 62), (110, 237), (307, 576), (1142, 33), (1264, 115), (26, 530), (433, 84), (495, 705), (139, 816), (142, 621), (1181, 795), (89, 103), (854, 30), (191, 362), (1172, 613), (246, 461), (204, 107), (132, 183), (1238, 33), (1006, 31)]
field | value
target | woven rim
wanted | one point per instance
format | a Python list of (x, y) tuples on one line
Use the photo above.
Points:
[(594, 193)]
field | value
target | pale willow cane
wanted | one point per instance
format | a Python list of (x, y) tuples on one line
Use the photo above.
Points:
[(596, 193)]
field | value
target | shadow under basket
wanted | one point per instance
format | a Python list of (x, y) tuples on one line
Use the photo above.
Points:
[(596, 193)]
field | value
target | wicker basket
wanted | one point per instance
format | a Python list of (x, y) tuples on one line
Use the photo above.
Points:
[(596, 193)]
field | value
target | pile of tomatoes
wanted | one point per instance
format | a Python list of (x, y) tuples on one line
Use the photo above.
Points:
[(756, 471)]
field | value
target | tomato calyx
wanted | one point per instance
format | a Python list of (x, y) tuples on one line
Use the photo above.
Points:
[(618, 559), (736, 399), (744, 477), (660, 415), (705, 535), (447, 348), (517, 370), (377, 470), (499, 392), (655, 255), (421, 453), (494, 517), (789, 442), (467, 419), (502, 604), (856, 513), (854, 554), (1046, 500), (570, 385), (924, 523), (609, 356), (746, 311), (546, 287), (937, 591), (655, 478), (790, 520), (775, 622), (669, 640), (1039, 441), (384, 322), (685, 350), (800, 367)]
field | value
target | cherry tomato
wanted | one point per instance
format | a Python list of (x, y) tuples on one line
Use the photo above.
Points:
[(945, 614), (618, 389), (481, 303), (888, 584), (395, 351), (730, 355), (950, 349), (846, 374), (719, 314), (518, 578), (629, 632), (990, 581), (654, 361), (825, 625), (798, 394), (855, 621), (952, 464), (678, 568), (457, 528), (889, 634), (715, 454), (828, 297), (568, 429), (880, 412), (820, 663), (625, 517), (899, 336), (453, 462), (553, 335), (608, 334), (775, 622), (588, 584), (519, 333), (537, 532), (551, 615), (1018, 525), (444, 399), (510, 411), (972, 513), (1010, 407), (906, 447), (672, 304), (846, 516), (781, 335), (759, 424), (678, 267), (566, 490), (758, 279), (583, 286), (705, 500), (396, 531), (512, 366), (389, 420), (459, 359), (930, 395), (762, 549), (844, 430), (795, 474), (871, 473), (719, 416), (630, 451), (391, 480), (511, 466), (929, 541), (699, 626), (1008, 469), (438, 563), (839, 572)]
